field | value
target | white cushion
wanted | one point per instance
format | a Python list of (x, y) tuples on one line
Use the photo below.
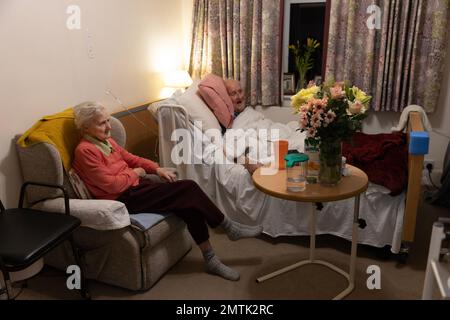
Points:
[(95, 214), (197, 108)]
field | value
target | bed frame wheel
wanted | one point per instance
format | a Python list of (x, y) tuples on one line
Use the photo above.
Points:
[(403, 255), (362, 224)]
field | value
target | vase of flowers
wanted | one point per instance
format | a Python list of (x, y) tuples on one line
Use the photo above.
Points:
[(330, 162), (330, 114), (304, 59)]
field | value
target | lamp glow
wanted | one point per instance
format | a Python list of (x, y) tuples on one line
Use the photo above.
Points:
[(178, 79)]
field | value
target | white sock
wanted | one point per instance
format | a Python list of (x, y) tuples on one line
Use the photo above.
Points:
[(236, 231), (215, 266)]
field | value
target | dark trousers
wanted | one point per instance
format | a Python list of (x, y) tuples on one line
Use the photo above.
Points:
[(183, 198)]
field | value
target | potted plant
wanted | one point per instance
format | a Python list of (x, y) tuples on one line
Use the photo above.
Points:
[(304, 59)]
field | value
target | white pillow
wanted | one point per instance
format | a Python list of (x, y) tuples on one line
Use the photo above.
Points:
[(197, 108)]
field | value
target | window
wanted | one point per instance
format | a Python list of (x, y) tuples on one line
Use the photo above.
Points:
[(304, 19)]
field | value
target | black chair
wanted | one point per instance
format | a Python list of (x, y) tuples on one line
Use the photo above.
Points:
[(26, 235)]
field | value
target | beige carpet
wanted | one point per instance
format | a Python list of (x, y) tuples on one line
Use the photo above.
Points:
[(256, 257)]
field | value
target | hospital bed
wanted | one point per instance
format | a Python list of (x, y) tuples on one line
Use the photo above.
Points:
[(390, 220)]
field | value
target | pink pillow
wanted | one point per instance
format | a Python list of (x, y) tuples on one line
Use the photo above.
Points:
[(213, 91)]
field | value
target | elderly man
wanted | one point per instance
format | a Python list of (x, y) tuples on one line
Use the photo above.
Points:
[(110, 172), (236, 94)]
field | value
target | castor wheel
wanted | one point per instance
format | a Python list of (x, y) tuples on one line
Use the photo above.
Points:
[(403, 255), (362, 224)]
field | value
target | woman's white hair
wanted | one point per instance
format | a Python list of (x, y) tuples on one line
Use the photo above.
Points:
[(85, 113)]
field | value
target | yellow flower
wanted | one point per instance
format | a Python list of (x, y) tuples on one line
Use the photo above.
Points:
[(361, 95), (304, 95), (312, 43)]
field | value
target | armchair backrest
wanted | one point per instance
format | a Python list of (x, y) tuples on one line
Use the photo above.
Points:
[(42, 163)]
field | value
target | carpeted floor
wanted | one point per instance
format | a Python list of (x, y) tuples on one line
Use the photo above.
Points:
[(256, 257)]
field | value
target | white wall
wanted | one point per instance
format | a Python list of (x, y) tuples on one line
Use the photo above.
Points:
[(187, 10), (44, 67)]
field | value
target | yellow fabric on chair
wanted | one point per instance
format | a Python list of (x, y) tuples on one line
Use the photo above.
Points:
[(59, 130)]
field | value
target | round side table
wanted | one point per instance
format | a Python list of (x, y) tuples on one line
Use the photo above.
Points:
[(349, 187)]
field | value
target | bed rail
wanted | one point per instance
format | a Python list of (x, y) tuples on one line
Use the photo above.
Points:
[(170, 118), (415, 169)]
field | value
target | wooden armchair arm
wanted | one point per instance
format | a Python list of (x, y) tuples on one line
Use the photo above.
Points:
[(415, 168)]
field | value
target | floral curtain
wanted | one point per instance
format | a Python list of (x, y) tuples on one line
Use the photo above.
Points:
[(399, 63), (239, 39)]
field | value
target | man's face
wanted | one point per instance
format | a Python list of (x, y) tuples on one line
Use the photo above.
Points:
[(236, 94)]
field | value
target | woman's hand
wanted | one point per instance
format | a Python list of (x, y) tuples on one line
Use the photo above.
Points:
[(140, 172), (166, 174)]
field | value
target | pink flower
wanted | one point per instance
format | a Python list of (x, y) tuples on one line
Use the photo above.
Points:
[(329, 117), (311, 84), (337, 92), (311, 133), (303, 120), (304, 108), (355, 108)]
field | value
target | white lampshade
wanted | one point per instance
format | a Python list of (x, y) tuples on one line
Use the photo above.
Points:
[(177, 79)]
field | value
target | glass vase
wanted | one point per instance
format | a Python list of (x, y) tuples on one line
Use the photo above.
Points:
[(330, 163), (313, 152)]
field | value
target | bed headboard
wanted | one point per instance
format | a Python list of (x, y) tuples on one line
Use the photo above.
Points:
[(415, 168)]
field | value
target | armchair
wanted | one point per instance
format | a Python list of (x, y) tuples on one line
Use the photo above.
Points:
[(114, 248)]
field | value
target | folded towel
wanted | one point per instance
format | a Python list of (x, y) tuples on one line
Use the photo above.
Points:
[(59, 130), (145, 221), (404, 118)]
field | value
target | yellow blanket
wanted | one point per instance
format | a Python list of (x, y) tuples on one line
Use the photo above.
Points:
[(59, 130)]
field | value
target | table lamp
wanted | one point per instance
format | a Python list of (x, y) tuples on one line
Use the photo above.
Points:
[(178, 80)]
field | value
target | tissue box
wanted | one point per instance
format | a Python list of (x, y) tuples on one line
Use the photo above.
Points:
[(419, 143)]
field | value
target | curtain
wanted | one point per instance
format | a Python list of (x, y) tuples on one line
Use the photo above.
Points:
[(239, 39), (400, 63)]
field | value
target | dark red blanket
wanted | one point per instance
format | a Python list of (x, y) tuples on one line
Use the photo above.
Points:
[(383, 157)]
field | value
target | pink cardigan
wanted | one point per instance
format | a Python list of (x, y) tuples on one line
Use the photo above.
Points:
[(108, 177)]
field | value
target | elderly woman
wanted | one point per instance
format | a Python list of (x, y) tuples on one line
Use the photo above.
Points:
[(110, 172)]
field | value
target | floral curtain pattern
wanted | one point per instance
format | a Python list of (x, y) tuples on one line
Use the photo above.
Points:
[(400, 64), (239, 39)]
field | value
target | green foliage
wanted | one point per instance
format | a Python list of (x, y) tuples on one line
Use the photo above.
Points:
[(304, 60)]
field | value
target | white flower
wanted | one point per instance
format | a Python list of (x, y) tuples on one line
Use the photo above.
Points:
[(355, 108)]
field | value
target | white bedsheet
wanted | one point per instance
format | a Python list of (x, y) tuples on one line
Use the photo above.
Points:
[(248, 126)]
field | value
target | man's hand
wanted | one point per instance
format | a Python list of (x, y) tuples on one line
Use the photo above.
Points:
[(166, 174), (251, 168), (140, 172)]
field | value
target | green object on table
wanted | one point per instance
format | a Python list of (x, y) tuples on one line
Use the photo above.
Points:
[(295, 158)]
